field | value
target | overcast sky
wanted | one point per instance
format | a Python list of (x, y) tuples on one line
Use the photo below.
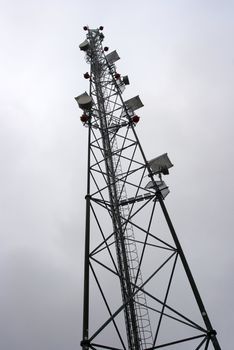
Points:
[(179, 56)]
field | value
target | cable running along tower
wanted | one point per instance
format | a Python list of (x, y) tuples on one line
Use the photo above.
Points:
[(139, 292)]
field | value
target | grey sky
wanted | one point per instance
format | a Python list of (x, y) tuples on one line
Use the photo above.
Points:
[(179, 57)]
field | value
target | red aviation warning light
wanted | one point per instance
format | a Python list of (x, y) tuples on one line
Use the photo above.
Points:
[(135, 119), (84, 118), (86, 75)]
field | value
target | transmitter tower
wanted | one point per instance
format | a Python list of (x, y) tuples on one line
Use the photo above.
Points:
[(139, 292)]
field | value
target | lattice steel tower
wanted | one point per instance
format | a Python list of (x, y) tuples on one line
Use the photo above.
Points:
[(139, 292)]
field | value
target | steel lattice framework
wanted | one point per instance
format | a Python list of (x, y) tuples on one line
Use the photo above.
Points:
[(139, 292)]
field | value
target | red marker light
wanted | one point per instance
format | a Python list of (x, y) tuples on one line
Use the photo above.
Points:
[(117, 76), (86, 75), (135, 119), (84, 118)]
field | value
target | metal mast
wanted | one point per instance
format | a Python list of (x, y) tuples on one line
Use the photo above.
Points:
[(123, 241)]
